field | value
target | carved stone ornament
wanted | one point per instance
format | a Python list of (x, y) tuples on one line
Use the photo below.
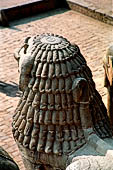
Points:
[(59, 101), (91, 163)]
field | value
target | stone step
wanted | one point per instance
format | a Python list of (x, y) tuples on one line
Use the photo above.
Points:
[(102, 13), (22, 8)]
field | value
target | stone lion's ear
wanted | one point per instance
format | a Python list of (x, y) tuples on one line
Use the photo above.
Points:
[(25, 66), (80, 90), (16, 53)]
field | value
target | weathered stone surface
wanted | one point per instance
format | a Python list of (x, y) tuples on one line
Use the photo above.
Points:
[(6, 162), (59, 101), (108, 80), (91, 163)]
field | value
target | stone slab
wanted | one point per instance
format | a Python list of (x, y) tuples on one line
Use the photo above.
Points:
[(102, 11)]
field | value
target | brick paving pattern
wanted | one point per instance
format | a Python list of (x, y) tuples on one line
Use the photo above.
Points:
[(92, 36)]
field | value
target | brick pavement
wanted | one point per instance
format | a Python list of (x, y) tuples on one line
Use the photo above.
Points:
[(92, 36)]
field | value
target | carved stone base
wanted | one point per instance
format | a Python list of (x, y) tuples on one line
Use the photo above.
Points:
[(41, 161)]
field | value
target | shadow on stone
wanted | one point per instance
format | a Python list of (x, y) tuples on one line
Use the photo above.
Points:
[(13, 24)]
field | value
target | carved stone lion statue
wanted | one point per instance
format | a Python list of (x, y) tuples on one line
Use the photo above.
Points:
[(59, 103)]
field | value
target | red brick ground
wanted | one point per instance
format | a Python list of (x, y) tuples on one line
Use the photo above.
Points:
[(92, 36)]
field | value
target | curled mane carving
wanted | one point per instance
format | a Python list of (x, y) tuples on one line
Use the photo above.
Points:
[(47, 118)]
